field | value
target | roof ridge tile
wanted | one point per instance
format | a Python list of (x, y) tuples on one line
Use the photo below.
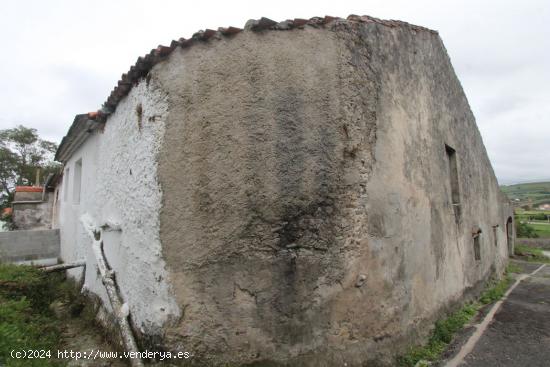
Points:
[(144, 64)]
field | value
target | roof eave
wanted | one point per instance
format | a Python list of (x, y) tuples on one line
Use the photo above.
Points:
[(82, 127)]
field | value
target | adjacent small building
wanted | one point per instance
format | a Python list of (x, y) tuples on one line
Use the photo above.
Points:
[(32, 206), (29, 238), (306, 193)]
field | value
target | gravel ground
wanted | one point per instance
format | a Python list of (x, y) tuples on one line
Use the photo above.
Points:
[(519, 334)]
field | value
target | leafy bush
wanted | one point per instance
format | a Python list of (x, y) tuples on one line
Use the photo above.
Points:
[(8, 222)]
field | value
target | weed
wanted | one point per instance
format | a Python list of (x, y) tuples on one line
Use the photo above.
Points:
[(26, 322), (18, 281), (496, 292), (441, 336), (513, 268), (445, 329), (531, 254)]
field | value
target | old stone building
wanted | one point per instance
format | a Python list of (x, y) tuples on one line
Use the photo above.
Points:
[(310, 192)]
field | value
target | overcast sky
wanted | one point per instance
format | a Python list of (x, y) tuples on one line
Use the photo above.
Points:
[(61, 58)]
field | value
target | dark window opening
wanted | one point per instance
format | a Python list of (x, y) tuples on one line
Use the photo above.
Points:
[(77, 182), (453, 179), (510, 235), (477, 247), (476, 235), (495, 234)]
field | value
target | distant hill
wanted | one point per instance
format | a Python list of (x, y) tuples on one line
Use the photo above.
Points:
[(534, 193)]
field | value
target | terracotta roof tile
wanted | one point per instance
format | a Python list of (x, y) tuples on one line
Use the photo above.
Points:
[(185, 43), (163, 50), (145, 63), (229, 31), (28, 189), (297, 22), (208, 33)]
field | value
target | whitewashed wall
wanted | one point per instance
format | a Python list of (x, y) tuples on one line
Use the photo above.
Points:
[(120, 187)]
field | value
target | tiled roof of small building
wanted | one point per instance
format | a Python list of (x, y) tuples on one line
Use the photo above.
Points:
[(145, 63), (28, 189)]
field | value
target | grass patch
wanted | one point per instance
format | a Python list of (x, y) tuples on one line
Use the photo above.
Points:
[(513, 268), (543, 230), (496, 291), (440, 338), (26, 322), (445, 329), (531, 254)]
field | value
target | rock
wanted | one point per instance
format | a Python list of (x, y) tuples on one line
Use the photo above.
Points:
[(361, 279), (250, 24), (259, 25), (285, 25)]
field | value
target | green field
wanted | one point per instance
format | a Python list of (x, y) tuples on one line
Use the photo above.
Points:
[(526, 198), (543, 230), (532, 215), (534, 193)]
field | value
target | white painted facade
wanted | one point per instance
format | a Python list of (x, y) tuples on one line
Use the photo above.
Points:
[(112, 179)]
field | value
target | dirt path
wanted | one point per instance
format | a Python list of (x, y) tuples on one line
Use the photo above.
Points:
[(79, 336), (518, 334)]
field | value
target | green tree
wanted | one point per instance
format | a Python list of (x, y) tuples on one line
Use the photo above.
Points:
[(22, 153)]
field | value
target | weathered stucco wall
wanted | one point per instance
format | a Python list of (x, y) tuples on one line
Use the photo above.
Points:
[(31, 212), (423, 250), (119, 187), (74, 240), (39, 247), (306, 212)]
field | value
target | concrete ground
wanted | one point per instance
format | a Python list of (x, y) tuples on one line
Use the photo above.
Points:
[(519, 332)]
